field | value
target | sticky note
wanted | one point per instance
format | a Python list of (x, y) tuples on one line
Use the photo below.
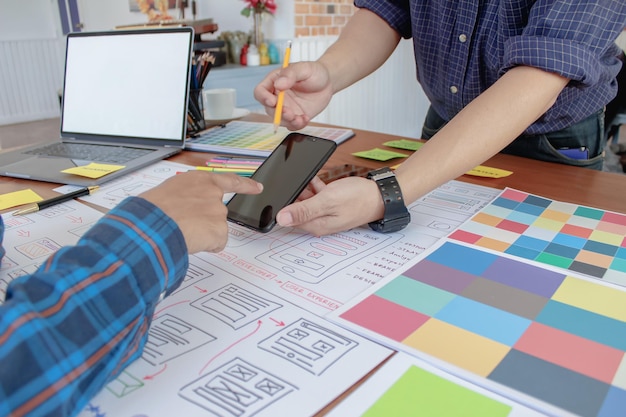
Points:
[(408, 144), (379, 154), (93, 170), (17, 198), (488, 172), (421, 393)]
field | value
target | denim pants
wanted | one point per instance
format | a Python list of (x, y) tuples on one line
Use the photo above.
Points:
[(588, 133)]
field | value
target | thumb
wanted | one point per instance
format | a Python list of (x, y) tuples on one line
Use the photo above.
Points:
[(299, 213)]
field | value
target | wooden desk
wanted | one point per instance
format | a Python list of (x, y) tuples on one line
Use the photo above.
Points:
[(587, 187), (576, 185)]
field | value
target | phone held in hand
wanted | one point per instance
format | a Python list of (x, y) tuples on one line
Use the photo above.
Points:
[(284, 175)]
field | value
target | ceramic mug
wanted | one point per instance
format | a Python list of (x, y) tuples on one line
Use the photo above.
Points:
[(219, 103)]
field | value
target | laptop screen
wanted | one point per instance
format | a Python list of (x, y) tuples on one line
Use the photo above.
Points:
[(127, 84)]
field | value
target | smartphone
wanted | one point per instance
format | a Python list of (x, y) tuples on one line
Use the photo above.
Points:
[(284, 175), (581, 152)]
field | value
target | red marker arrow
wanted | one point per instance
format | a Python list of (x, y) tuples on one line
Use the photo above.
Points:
[(150, 377), (278, 323), (258, 326)]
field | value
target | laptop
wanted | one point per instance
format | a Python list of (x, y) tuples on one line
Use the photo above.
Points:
[(124, 92)]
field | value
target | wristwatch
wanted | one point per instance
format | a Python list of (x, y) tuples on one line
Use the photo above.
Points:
[(396, 215)]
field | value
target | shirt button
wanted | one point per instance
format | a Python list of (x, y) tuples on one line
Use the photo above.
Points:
[(454, 89), (463, 38)]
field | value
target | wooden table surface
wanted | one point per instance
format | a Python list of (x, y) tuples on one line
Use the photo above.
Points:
[(603, 190)]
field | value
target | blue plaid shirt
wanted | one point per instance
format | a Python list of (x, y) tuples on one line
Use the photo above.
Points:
[(77, 322), (463, 47)]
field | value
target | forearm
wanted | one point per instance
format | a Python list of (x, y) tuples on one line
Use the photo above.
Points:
[(480, 130), (364, 45), (83, 316)]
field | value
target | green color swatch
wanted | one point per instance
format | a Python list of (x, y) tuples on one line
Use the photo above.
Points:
[(421, 393)]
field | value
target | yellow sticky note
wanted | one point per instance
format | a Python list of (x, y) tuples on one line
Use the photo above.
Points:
[(489, 172), (17, 198), (93, 170)]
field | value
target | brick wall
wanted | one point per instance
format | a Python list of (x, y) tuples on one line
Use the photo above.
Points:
[(321, 17)]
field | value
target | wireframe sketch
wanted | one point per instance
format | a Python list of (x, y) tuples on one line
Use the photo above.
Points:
[(197, 271), (124, 384), (170, 337), (308, 345), (235, 306), (311, 259), (237, 389)]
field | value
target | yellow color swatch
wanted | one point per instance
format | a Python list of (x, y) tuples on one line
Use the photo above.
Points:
[(591, 296), (458, 346)]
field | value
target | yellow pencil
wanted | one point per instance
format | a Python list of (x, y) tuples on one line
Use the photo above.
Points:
[(281, 95)]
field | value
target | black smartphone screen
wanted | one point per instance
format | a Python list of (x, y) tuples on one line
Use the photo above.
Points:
[(284, 174)]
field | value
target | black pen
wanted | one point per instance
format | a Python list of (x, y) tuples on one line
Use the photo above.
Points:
[(56, 200)]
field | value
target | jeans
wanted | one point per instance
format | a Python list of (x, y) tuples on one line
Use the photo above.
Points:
[(588, 133)]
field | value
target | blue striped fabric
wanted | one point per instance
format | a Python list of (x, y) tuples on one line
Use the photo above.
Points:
[(468, 45), (73, 325)]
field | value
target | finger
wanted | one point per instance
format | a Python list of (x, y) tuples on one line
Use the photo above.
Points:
[(264, 93), (292, 120), (300, 212), (312, 188), (317, 184), (233, 183)]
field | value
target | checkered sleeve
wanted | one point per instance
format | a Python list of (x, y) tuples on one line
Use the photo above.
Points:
[(73, 325), (568, 38), (394, 12)]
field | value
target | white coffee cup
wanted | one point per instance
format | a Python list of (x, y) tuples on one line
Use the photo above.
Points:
[(219, 103)]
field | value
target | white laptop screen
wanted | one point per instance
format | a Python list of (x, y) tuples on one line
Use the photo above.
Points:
[(127, 84)]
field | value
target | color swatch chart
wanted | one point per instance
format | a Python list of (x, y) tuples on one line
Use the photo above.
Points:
[(519, 327), (581, 239), (255, 138)]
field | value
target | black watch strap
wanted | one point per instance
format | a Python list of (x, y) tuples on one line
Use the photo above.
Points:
[(396, 215)]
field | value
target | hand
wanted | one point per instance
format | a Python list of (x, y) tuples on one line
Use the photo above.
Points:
[(194, 201), (340, 205), (308, 91)]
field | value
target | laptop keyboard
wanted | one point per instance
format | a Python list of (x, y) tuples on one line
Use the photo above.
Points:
[(90, 152)]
